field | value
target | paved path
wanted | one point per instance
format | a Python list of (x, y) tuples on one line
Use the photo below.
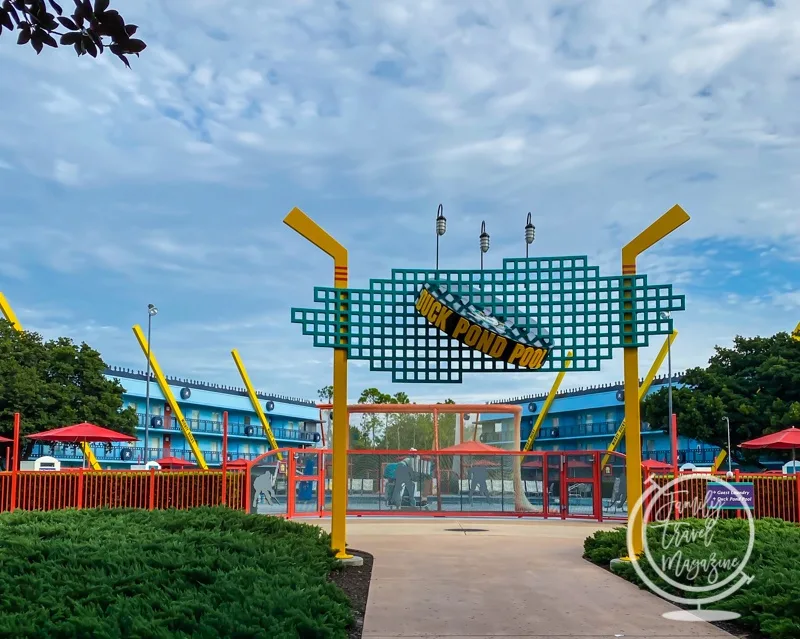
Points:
[(518, 579)]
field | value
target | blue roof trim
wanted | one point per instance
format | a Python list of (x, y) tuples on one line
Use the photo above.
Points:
[(127, 373)]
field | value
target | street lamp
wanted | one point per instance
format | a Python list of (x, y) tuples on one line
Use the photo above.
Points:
[(530, 235), (441, 229), (484, 238), (152, 311), (730, 452)]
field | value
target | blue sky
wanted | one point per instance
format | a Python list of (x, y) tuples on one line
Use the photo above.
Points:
[(168, 183)]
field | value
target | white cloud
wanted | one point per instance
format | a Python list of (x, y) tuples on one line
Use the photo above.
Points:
[(171, 179)]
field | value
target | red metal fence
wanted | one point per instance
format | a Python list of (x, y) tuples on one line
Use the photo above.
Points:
[(560, 485), (564, 485), (153, 489), (776, 496)]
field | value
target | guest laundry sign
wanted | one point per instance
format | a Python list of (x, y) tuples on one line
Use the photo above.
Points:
[(724, 498)]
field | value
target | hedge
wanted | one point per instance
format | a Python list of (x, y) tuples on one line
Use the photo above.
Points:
[(770, 604), (206, 572)]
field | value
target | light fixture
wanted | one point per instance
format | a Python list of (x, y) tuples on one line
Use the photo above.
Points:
[(152, 310), (441, 229), (441, 221), (530, 234), (484, 239)]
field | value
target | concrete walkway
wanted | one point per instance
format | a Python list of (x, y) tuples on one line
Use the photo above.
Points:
[(518, 579)]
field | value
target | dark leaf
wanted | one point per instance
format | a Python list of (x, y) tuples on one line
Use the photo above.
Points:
[(135, 46), (100, 6), (36, 42), (48, 22), (89, 46), (24, 34), (97, 40), (5, 20), (20, 5), (125, 60), (130, 29), (49, 40), (68, 24), (70, 38), (56, 7), (11, 10), (78, 48)]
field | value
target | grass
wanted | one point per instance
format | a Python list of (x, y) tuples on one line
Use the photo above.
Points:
[(207, 572), (770, 604)]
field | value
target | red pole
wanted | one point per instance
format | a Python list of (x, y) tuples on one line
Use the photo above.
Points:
[(673, 428), (15, 467), (152, 497), (224, 457)]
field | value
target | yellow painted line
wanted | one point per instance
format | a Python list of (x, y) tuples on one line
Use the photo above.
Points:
[(547, 403), (251, 393), (648, 380), (173, 404)]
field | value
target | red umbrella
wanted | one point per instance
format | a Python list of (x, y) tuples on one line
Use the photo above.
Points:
[(653, 464), (5, 440), (786, 439), (238, 463), (174, 461), (80, 433), (472, 448)]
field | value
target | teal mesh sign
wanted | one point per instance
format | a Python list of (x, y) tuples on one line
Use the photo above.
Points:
[(559, 304)]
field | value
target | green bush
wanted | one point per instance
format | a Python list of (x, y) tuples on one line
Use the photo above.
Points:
[(207, 572), (770, 604)]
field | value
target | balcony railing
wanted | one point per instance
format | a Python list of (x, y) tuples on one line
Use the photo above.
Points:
[(564, 432), (114, 454), (235, 429)]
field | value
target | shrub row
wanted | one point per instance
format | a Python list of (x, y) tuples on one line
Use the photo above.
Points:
[(769, 604), (206, 572)]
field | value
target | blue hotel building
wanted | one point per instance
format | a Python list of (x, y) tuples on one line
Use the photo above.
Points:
[(295, 423), (578, 419), (587, 419)]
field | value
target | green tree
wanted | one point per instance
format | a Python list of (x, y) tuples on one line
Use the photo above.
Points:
[(326, 394), (755, 383), (90, 29), (56, 383)]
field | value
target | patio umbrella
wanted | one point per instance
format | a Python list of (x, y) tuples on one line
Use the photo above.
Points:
[(82, 433), (238, 463), (786, 439), (654, 464), (174, 462), (6, 440)]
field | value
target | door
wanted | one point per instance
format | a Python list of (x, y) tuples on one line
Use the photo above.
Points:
[(167, 445)]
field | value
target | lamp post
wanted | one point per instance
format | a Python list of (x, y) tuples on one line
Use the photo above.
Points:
[(665, 315), (484, 238), (152, 311), (728, 424), (441, 229), (530, 235)]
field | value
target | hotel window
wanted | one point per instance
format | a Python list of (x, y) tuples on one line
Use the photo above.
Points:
[(650, 445), (290, 425), (247, 420), (134, 406), (157, 410)]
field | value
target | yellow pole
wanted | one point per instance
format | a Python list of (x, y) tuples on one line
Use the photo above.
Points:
[(177, 413), (718, 461), (309, 229), (251, 393), (795, 332), (547, 403), (648, 380), (657, 231), (9, 314)]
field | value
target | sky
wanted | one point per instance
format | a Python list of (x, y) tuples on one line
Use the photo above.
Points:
[(168, 183)]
